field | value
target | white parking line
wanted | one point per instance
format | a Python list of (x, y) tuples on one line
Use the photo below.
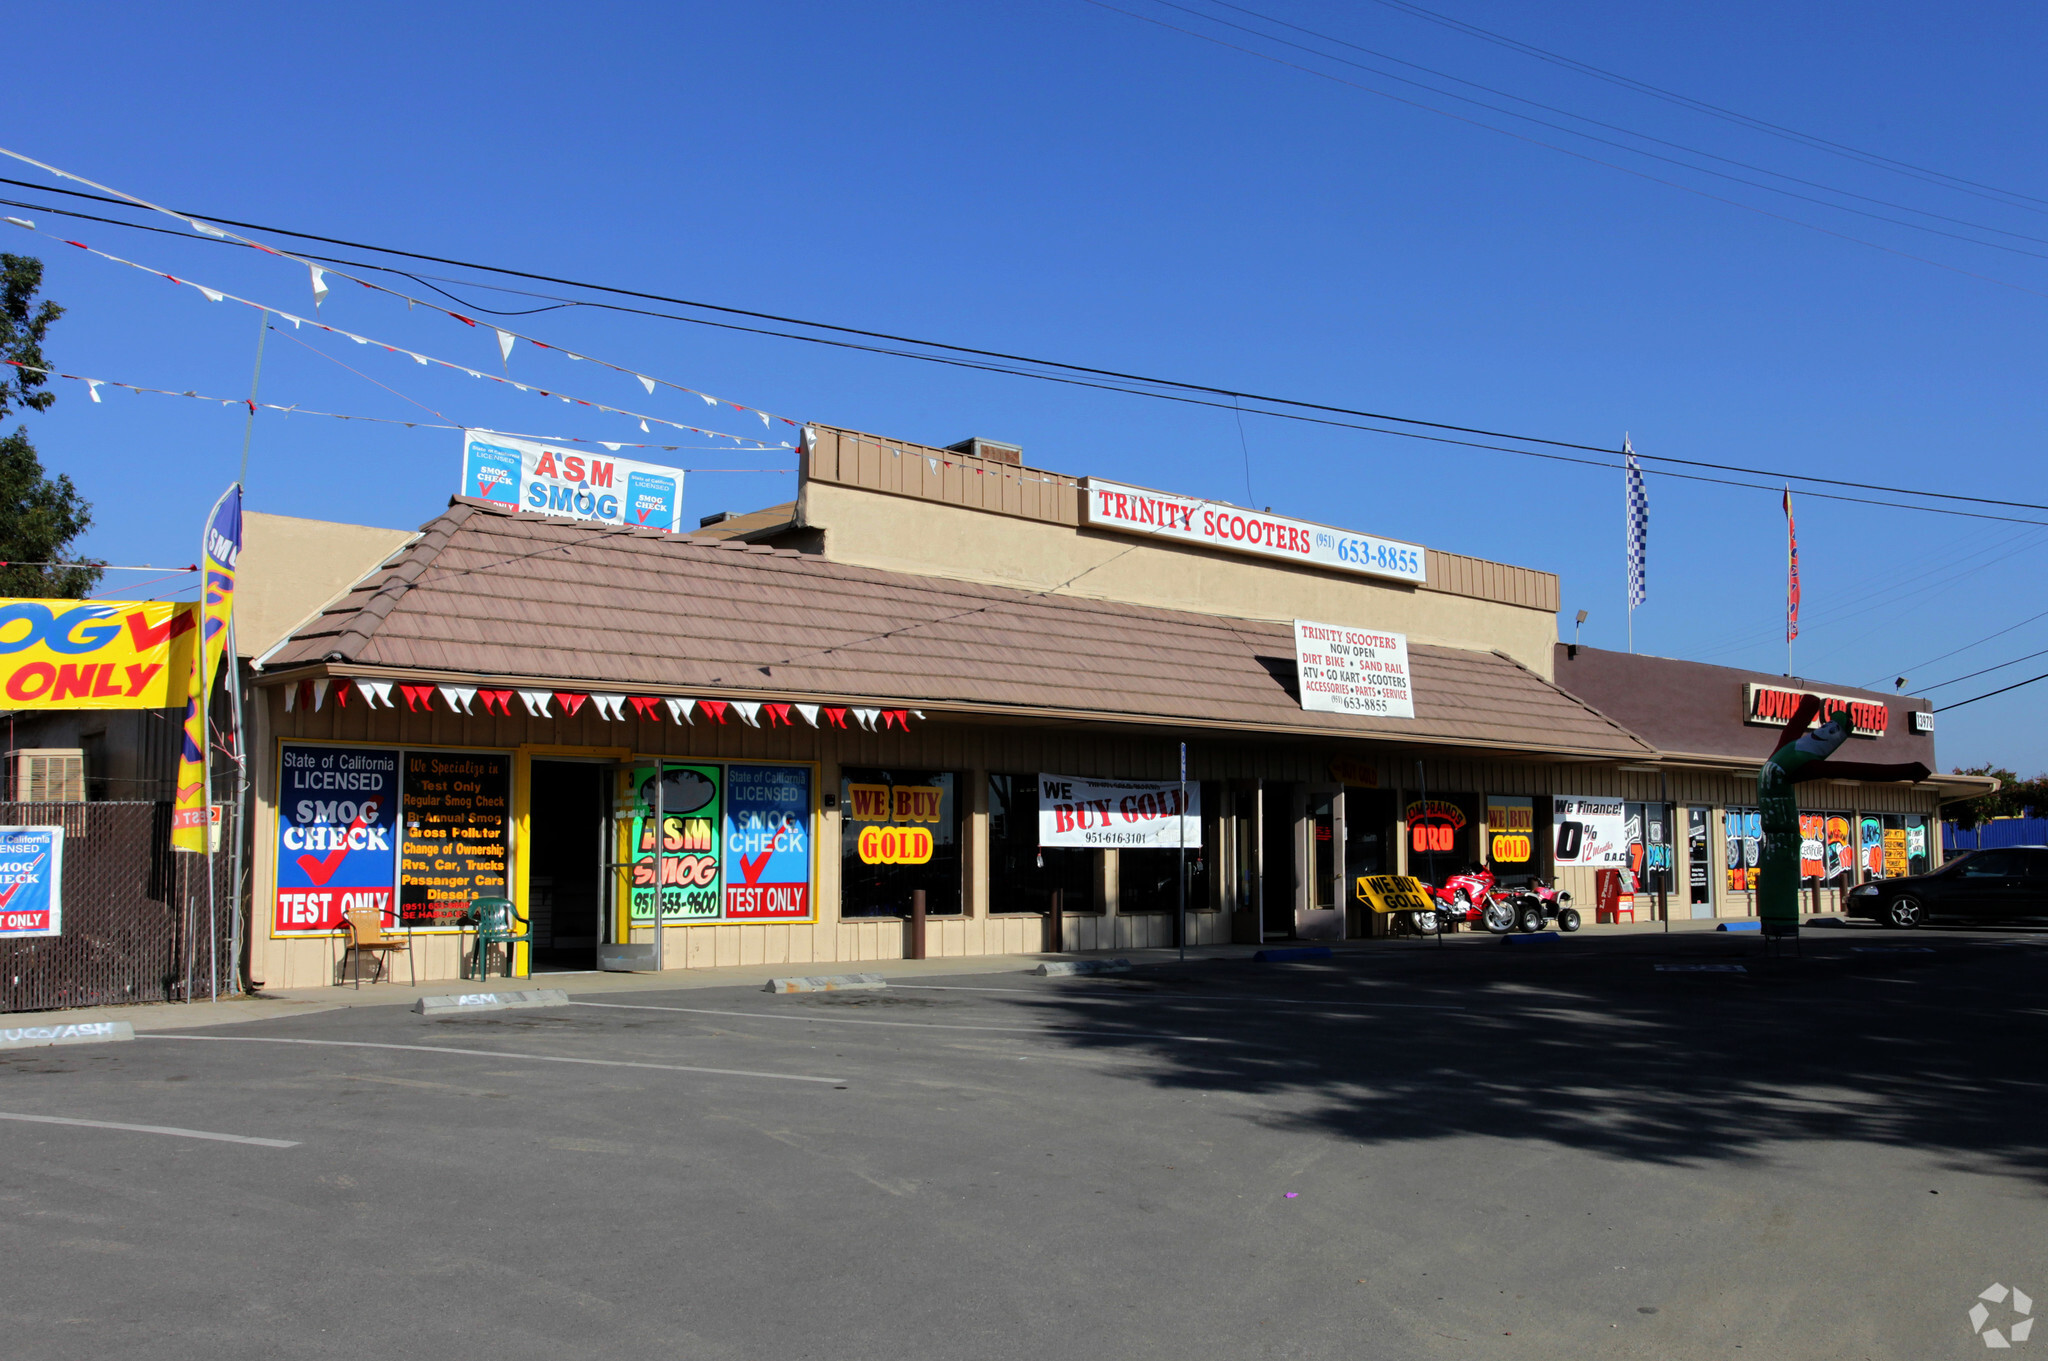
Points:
[(497, 1054), (917, 1025), (151, 1129), (1066, 995)]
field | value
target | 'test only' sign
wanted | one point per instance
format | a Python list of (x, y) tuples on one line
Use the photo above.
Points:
[(98, 654)]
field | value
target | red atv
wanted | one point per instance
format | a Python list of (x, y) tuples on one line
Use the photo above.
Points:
[(1475, 896)]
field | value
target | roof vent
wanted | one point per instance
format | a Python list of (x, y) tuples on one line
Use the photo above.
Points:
[(991, 450), (710, 520)]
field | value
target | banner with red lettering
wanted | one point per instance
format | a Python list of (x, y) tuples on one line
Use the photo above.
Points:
[(579, 484), (1073, 811), (94, 654)]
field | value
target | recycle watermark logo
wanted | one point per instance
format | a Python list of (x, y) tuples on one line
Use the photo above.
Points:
[(2018, 1329)]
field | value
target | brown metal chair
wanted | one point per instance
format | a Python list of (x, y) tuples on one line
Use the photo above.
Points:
[(365, 928)]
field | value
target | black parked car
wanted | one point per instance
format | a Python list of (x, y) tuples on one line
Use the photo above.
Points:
[(1991, 886)]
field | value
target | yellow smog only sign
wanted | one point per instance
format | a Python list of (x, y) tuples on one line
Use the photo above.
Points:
[(1394, 893)]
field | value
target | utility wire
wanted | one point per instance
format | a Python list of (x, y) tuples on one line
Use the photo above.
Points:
[(1871, 158), (1989, 693), (996, 361), (1909, 670), (1927, 689), (1679, 185), (1612, 127)]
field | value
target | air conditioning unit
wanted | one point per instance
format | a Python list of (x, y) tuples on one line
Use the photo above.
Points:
[(49, 775)]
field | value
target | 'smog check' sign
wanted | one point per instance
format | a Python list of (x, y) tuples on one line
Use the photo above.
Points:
[(1353, 671), (31, 881)]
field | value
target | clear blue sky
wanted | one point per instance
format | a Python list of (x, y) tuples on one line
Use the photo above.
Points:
[(1054, 178)]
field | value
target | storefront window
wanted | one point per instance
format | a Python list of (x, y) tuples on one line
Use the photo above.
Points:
[(1744, 829), (1699, 858), (1870, 846), (1148, 880), (1022, 874), (1510, 836), (1439, 838), (1918, 860), (1649, 845), (899, 831)]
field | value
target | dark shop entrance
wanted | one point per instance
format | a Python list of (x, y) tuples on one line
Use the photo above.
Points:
[(568, 821)]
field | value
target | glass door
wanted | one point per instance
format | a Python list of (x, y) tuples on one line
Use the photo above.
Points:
[(1321, 914), (1699, 861)]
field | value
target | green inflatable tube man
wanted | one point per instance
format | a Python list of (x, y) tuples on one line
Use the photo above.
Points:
[(1802, 756)]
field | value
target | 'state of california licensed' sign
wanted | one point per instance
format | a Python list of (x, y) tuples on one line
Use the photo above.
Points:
[(1353, 671), (1213, 524)]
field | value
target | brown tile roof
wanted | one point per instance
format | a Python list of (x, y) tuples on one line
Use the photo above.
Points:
[(748, 522), (522, 599)]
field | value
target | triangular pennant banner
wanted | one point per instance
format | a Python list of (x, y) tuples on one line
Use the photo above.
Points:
[(612, 707), (291, 695), (837, 717), (458, 697), (319, 284), (647, 706), (417, 697), (778, 713), (714, 707), (749, 712), (375, 693), (679, 710), (505, 339), (536, 702), (867, 717), (809, 711), (496, 701), (570, 701), (319, 692)]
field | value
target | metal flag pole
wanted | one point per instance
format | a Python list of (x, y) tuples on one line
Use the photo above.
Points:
[(240, 747), (1183, 932)]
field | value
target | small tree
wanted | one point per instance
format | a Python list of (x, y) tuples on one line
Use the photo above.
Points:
[(40, 516), (2013, 798)]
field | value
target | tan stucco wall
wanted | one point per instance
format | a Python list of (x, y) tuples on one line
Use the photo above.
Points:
[(291, 567), (904, 534)]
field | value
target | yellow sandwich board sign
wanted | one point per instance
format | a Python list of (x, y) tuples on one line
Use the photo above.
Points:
[(1394, 893)]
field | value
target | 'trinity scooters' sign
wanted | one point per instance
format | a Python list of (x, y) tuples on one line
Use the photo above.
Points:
[(1217, 524)]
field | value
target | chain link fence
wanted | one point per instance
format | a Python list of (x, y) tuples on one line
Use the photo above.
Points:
[(139, 924)]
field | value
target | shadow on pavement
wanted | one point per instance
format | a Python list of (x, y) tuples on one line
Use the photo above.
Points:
[(1932, 1041)]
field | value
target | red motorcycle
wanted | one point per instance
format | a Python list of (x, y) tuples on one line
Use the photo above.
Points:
[(1475, 896)]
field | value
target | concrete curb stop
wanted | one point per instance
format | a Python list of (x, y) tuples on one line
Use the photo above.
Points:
[(1290, 955), (1068, 968), (839, 982), (490, 1001), (85, 1032)]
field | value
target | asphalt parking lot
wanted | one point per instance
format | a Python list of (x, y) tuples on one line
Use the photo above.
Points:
[(1586, 1148)]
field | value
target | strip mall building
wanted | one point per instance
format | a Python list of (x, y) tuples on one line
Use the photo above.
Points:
[(775, 731)]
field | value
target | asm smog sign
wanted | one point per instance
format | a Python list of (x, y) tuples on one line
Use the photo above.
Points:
[(579, 484), (1214, 524), (102, 654), (1769, 705)]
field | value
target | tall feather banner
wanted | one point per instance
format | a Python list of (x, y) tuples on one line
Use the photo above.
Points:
[(220, 546)]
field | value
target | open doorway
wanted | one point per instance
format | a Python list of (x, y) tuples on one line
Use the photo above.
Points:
[(568, 818)]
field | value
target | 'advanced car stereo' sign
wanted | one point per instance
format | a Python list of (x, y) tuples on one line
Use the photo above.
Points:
[(578, 484), (1215, 524)]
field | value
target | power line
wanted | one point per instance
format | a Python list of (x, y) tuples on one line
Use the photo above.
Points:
[(1989, 693), (1965, 647), (1613, 127), (1938, 177), (1928, 689), (997, 361), (1679, 185)]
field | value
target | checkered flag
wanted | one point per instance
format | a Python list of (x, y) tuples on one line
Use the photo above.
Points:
[(1638, 530)]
